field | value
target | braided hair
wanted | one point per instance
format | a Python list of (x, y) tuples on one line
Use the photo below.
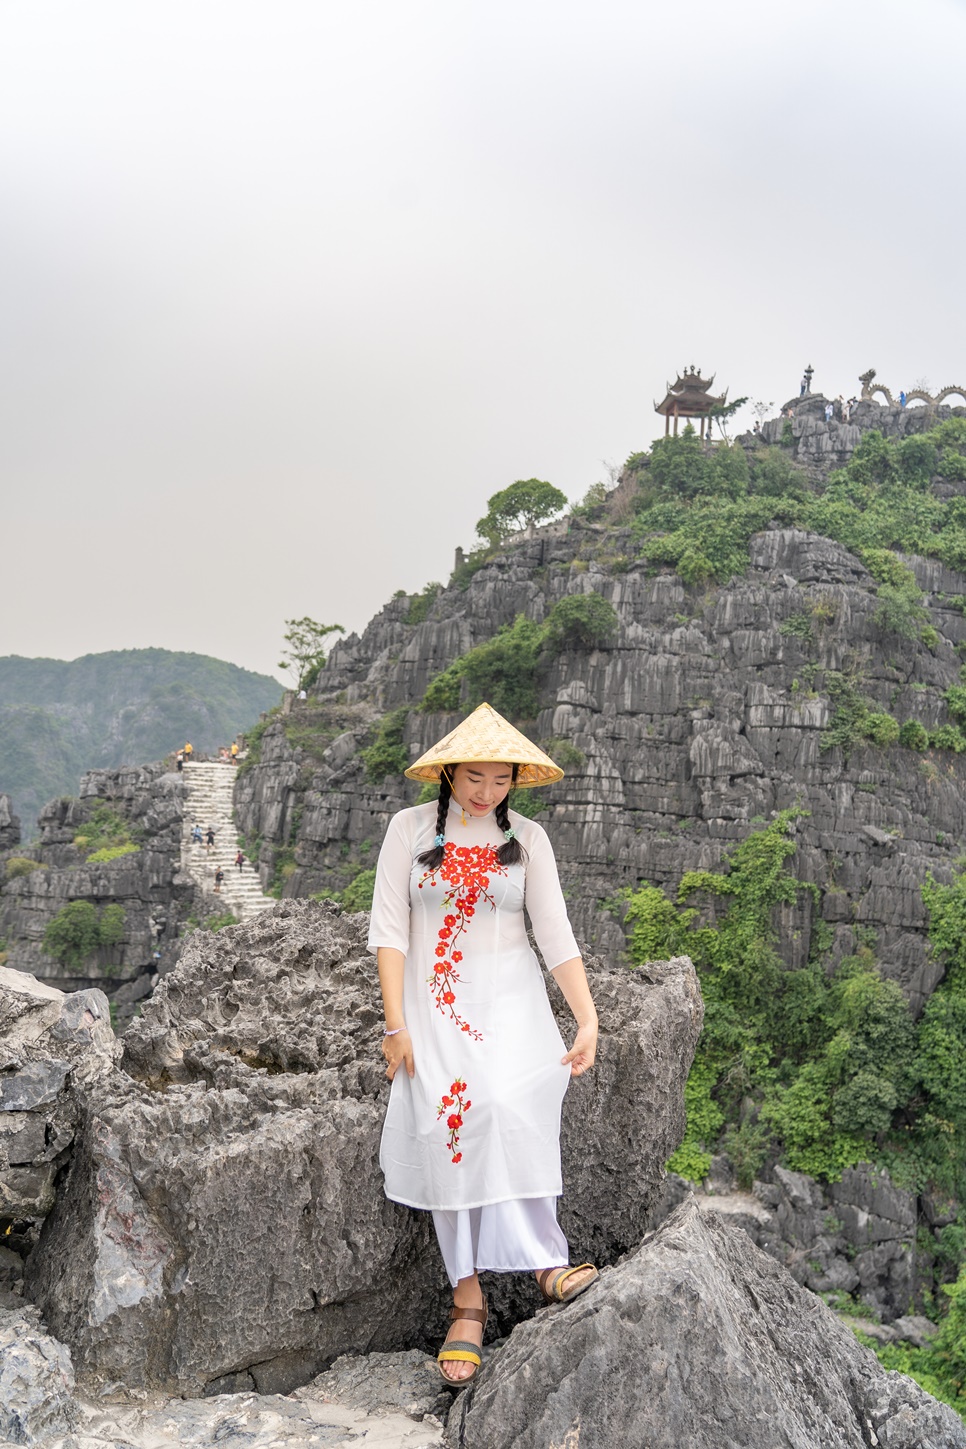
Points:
[(433, 858), (511, 852)]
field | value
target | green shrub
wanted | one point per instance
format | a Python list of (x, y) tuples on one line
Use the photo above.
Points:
[(112, 852), (526, 802), (947, 737), (387, 755), (881, 729), (429, 791), (357, 895), (16, 866), (421, 603), (104, 829), (79, 931), (898, 612), (930, 637), (565, 754), (580, 621), (914, 736)]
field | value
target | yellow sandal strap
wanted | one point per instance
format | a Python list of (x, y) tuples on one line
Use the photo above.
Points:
[(557, 1280), (459, 1352)]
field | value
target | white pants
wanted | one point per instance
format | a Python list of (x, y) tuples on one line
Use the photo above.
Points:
[(503, 1237)]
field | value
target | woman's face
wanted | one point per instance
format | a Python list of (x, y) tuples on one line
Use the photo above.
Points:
[(479, 787)]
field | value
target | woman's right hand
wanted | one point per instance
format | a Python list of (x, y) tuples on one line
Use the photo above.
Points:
[(396, 1049)]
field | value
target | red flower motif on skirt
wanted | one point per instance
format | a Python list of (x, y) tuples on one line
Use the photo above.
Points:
[(454, 1105), (466, 869)]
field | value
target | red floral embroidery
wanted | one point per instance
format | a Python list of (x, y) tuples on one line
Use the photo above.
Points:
[(466, 869), (453, 1107)]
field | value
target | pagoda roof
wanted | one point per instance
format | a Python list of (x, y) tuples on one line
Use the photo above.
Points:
[(689, 397)]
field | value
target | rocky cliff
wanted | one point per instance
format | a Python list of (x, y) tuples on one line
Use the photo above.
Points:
[(218, 1229), (134, 815), (709, 710)]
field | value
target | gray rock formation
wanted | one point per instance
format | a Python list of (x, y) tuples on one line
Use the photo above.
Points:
[(223, 1226), (52, 1046), (148, 884), (708, 713), (855, 1236), (9, 825), (36, 1380), (697, 1339), (387, 1401)]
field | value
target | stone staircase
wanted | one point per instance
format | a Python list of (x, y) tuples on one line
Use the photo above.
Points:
[(208, 787)]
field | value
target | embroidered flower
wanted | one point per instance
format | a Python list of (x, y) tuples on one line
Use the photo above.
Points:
[(466, 870), (454, 1120)]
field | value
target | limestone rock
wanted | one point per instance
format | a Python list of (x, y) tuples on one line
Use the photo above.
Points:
[(9, 825), (147, 883), (697, 1339), (224, 1224), (51, 1046), (36, 1380)]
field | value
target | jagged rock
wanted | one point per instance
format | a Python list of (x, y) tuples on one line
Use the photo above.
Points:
[(36, 1380), (51, 1046), (697, 1339), (224, 1214), (148, 884), (9, 825)]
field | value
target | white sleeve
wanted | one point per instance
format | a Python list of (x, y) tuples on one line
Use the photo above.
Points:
[(389, 921), (546, 905)]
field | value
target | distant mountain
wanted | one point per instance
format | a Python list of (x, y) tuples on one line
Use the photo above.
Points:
[(60, 718)]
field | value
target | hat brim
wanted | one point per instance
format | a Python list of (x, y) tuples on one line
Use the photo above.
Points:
[(485, 736)]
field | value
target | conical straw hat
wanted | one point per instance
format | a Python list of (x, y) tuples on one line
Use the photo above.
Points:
[(486, 735)]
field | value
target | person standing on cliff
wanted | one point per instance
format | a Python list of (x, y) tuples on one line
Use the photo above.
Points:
[(477, 1064)]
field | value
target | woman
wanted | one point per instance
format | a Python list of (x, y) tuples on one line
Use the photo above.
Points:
[(472, 1131)]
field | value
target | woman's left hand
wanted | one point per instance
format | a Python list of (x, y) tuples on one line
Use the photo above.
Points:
[(581, 1055)]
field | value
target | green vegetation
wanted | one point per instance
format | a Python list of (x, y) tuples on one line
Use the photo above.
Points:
[(940, 1367), (357, 895), (421, 603), (79, 932), (698, 507), (105, 835), (253, 740), (16, 866), (565, 754), (112, 852), (508, 669), (524, 503), (387, 755), (216, 922), (305, 655), (808, 1064)]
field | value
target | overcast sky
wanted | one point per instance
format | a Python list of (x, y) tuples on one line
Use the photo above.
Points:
[(289, 288)]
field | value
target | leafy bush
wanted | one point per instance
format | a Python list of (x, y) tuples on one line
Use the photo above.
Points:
[(104, 829), (881, 729), (508, 669), (357, 895), (387, 755), (828, 1060), (914, 736), (79, 931), (16, 866), (947, 737), (112, 852), (565, 754), (580, 621), (526, 802), (421, 603)]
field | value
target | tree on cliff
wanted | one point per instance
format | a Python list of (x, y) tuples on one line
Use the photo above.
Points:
[(526, 502), (305, 655)]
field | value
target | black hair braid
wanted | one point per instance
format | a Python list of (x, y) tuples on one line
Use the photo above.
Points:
[(433, 858), (511, 852)]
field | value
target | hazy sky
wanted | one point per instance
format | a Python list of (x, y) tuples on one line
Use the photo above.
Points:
[(289, 288)]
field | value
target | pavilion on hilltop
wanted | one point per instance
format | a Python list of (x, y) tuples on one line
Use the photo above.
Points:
[(689, 397)]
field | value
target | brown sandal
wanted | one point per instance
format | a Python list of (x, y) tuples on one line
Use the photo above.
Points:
[(552, 1283), (455, 1350)]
